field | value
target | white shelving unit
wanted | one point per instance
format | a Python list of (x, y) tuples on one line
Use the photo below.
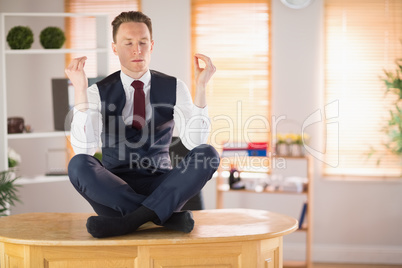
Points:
[(7, 20), (222, 187)]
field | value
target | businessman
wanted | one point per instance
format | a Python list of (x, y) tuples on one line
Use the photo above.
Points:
[(131, 115)]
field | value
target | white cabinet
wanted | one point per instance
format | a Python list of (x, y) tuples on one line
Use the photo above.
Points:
[(25, 77)]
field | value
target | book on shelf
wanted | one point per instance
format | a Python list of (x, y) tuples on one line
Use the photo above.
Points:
[(302, 214), (231, 149)]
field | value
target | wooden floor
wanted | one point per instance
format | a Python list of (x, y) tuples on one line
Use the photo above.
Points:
[(338, 265)]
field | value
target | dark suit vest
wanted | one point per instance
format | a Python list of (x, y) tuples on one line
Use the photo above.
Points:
[(126, 149)]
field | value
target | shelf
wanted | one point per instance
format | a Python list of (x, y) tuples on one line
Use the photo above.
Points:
[(40, 179), (268, 156), (303, 229), (39, 20), (291, 264), (225, 188), (36, 135), (288, 156), (52, 51), (44, 14)]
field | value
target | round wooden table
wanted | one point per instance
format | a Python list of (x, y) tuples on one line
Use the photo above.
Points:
[(221, 238)]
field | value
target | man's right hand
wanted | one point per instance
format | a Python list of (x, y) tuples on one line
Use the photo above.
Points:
[(75, 72)]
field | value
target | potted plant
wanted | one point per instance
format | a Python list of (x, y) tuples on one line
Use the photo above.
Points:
[(393, 126), (393, 129), (282, 146), (8, 188), (295, 145), (52, 37), (20, 37)]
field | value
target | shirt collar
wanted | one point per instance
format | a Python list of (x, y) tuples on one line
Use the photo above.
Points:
[(127, 80)]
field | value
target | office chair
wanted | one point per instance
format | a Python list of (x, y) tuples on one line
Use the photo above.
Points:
[(179, 151)]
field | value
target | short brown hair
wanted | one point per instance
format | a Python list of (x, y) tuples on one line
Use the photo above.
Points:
[(130, 16)]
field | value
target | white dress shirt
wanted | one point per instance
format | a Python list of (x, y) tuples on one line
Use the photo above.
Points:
[(192, 123)]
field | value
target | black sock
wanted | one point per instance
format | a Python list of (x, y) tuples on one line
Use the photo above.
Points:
[(102, 226), (180, 221)]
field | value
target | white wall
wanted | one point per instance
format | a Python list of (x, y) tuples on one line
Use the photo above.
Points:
[(354, 221), (171, 32)]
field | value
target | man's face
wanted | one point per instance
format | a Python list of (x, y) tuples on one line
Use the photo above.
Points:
[(133, 46)]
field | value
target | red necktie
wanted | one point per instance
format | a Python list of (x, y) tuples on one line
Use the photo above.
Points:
[(139, 104)]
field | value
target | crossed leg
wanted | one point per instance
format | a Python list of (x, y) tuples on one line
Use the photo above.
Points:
[(122, 210)]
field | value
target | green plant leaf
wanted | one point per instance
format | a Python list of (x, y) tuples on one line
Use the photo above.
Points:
[(8, 191), (393, 126)]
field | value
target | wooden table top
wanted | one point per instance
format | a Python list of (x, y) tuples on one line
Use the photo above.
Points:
[(219, 225)]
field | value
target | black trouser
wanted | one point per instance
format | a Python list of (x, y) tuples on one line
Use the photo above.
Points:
[(163, 192)]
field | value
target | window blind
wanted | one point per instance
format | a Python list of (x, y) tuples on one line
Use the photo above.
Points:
[(363, 37), (235, 34), (81, 34)]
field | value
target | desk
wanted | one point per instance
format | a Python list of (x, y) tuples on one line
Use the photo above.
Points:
[(221, 238)]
